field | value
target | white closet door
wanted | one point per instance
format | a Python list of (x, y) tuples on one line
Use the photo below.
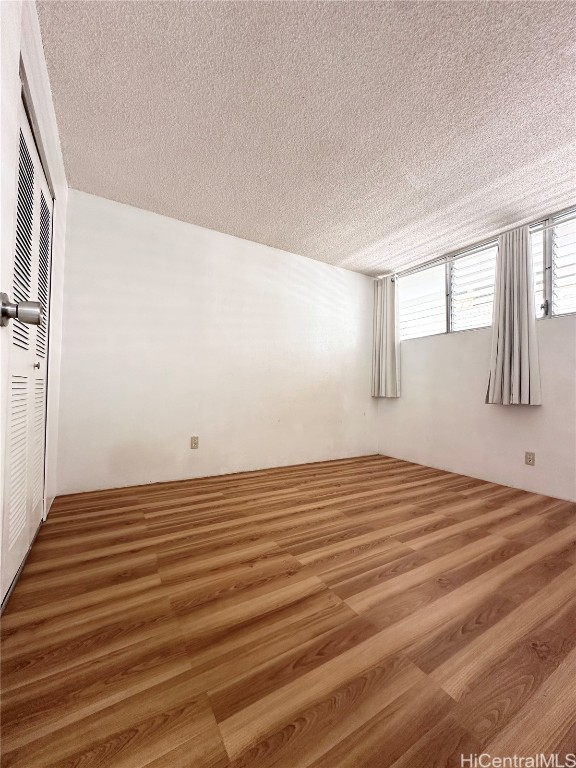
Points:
[(25, 422)]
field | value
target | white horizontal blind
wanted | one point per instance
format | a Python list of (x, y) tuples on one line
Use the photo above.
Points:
[(422, 302), (564, 267), (472, 289), (537, 243)]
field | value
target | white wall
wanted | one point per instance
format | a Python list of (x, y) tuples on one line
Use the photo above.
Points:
[(20, 39), (172, 330), (441, 419)]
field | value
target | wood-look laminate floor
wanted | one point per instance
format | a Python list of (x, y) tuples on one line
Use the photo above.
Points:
[(364, 612)]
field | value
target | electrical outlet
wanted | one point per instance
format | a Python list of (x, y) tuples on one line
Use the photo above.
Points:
[(530, 458), (194, 442)]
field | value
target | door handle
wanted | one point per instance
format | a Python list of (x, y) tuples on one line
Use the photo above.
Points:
[(36, 365), (29, 312)]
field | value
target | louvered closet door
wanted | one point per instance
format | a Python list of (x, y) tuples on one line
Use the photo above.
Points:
[(26, 417)]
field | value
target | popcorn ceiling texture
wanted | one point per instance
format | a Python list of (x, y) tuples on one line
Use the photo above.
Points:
[(370, 135)]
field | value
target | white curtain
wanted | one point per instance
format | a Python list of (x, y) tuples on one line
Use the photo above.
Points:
[(385, 354), (514, 367)]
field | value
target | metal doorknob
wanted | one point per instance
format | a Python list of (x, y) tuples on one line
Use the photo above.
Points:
[(29, 312), (36, 365)]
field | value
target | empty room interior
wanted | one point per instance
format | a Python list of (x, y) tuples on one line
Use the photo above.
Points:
[(288, 384)]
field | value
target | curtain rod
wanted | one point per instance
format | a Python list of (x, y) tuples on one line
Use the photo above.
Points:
[(441, 259), (543, 228), (536, 226)]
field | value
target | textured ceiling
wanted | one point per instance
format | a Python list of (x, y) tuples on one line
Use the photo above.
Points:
[(371, 135)]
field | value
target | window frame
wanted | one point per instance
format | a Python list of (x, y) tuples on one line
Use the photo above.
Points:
[(547, 225), (448, 261), (431, 266), (449, 268)]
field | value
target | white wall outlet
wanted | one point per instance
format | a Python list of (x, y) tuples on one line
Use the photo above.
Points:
[(530, 458), (194, 442)]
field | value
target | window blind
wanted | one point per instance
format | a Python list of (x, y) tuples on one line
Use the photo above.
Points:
[(472, 289), (422, 303), (564, 267)]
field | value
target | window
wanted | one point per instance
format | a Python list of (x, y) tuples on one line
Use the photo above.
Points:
[(457, 292), (422, 302), (564, 268), (554, 265), (472, 288), (463, 283), (537, 243)]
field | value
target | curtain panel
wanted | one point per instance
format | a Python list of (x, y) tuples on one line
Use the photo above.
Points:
[(386, 351), (514, 377)]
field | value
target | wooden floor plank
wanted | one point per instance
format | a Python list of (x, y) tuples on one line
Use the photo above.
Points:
[(549, 724), (360, 612), (504, 687), (387, 735), (318, 727)]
